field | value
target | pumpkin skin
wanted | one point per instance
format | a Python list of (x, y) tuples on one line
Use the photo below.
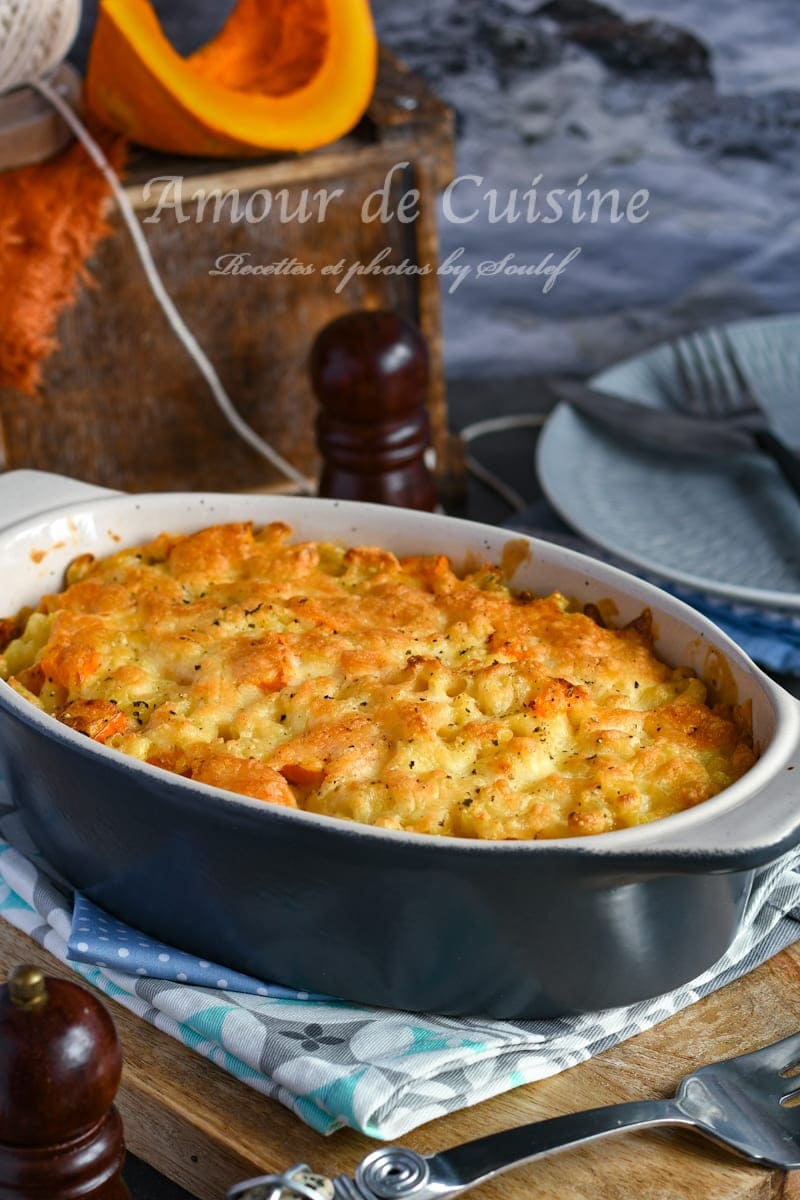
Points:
[(282, 75)]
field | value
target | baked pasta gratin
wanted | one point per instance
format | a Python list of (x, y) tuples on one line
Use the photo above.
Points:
[(393, 692)]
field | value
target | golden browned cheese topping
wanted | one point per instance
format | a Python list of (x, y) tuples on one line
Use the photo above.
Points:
[(397, 693)]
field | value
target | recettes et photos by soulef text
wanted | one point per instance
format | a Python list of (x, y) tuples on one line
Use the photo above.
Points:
[(398, 693)]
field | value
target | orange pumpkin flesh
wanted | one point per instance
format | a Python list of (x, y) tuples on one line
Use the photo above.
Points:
[(282, 75)]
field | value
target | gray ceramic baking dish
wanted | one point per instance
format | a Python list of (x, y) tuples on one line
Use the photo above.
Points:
[(519, 929)]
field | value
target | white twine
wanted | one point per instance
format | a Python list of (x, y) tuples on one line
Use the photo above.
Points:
[(35, 36)]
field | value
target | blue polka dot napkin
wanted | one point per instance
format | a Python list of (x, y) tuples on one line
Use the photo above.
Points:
[(337, 1064), (100, 939)]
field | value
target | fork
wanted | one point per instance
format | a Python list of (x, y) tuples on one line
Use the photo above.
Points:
[(741, 1103), (714, 385)]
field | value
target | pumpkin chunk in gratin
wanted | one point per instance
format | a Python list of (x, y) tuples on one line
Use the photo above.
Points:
[(396, 693)]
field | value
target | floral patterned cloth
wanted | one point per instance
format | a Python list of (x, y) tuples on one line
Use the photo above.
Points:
[(337, 1064)]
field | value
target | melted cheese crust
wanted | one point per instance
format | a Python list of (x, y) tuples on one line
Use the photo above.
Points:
[(396, 693)]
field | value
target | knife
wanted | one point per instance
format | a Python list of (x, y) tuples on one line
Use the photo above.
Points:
[(657, 428)]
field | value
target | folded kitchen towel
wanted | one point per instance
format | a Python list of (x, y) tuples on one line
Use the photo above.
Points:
[(336, 1064), (771, 636)]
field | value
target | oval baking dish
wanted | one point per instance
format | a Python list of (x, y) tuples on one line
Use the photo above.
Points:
[(508, 929)]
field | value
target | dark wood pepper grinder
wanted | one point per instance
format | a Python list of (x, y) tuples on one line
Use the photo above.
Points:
[(370, 373), (60, 1066)]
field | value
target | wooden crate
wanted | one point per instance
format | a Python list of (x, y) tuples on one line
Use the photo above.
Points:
[(122, 404)]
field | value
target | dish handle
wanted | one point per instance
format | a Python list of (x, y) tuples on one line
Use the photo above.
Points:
[(26, 493)]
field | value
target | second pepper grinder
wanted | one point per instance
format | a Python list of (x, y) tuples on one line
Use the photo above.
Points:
[(370, 373)]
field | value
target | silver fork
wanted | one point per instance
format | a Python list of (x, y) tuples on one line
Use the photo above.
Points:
[(714, 385), (741, 1103)]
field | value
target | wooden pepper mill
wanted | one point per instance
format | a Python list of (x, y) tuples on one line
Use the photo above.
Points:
[(60, 1066), (370, 374)]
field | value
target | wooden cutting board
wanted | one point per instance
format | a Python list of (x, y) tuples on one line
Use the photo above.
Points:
[(205, 1130)]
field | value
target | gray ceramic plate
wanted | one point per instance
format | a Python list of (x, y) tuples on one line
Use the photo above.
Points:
[(727, 526)]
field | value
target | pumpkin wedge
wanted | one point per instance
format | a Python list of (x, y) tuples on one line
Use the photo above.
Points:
[(282, 75)]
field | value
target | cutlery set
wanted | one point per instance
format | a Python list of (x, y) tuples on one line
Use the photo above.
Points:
[(719, 413)]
